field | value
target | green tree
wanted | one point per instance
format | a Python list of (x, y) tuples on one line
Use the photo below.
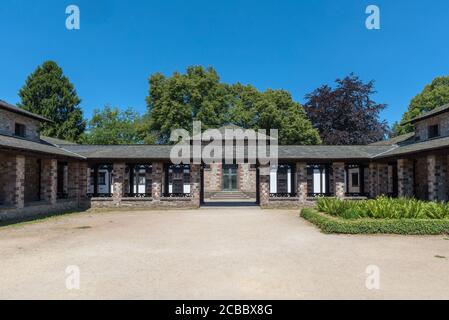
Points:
[(48, 92), (177, 101), (112, 126), (433, 96)]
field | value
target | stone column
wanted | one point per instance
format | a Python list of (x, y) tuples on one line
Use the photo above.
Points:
[(382, 178), (373, 183), (73, 169), (264, 185), (119, 181), (339, 179), (158, 175), (83, 178), (301, 181), (49, 180), (436, 178), (195, 184), (405, 178), (18, 178)]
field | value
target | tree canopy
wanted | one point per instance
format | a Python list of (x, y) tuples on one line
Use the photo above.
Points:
[(346, 114), (433, 96), (113, 126), (48, 92), (198, 95)]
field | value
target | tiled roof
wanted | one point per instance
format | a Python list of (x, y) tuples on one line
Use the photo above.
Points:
[(434, 144), (9, 107), (10, 142), (285, 152), (431, 113), (396, 140)]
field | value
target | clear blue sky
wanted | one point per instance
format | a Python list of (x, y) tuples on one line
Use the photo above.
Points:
[(295, 45)]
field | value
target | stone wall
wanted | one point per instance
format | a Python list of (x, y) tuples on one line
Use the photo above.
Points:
[(421, 127), (8, 125), (32, 179), (213, 179), (437, 178), (420, 179), (247, 179)]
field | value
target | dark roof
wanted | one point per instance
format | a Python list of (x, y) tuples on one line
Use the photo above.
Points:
[(9, 107), (138, 152), (33, 146), (428, 145), (331, 152), (429, 114), (396, 140), (57, 142), (162, 152)]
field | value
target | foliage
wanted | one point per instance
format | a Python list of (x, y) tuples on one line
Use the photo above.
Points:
[(48, 92), (112, 126), (433, 96), (346, 115), (329, 224), (175, 102), (384, 208)]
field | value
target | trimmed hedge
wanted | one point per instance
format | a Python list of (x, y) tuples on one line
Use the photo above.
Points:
[(329, 224)]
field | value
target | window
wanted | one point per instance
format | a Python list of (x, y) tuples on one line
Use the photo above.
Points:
[(101, 178), (433, 131), (355, 179), (20, 130)]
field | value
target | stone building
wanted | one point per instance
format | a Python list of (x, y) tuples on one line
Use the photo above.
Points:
[(42, 175)]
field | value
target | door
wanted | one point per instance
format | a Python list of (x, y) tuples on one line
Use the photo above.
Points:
[(230, 177)]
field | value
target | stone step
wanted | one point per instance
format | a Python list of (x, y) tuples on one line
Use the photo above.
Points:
[(230, 195)]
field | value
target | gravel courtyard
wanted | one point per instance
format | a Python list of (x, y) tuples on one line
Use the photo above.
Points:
[(213, 253)]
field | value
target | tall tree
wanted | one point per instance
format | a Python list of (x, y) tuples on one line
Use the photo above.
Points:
[(48, 92), (346, 114), (177, 101), (433, 96), (112, 126)]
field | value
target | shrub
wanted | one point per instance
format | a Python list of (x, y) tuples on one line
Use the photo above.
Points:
[(383, 208), (329, 224)]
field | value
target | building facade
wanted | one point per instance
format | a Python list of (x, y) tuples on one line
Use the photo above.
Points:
[(42, 175)]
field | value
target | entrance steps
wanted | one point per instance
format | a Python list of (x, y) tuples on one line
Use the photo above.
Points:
[(229, 195)]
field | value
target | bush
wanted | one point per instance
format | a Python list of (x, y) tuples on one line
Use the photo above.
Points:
[(406, 226), (383, 208)]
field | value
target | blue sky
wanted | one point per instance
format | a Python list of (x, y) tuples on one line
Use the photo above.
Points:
[(296, 45)]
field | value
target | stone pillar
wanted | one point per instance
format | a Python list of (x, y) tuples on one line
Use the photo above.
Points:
[(84, 176), (339, 179), (264, 185), (405, 178), (301, 181), (195, 184), (158, 175), (49, 180), (119, 181), (436, 178), (373, 180), (382, 178), (18, 166), (73, 169)]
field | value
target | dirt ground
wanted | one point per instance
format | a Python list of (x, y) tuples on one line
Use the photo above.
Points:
[(214, 253)]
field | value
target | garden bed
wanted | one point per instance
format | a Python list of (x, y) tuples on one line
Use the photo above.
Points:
[(329, 224), (383, 215)]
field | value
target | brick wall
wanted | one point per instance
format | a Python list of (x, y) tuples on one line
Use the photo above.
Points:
[(9, 119), (421, 128), (405, 178)]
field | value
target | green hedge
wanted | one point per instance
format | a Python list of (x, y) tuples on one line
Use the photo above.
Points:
[(329, 224)]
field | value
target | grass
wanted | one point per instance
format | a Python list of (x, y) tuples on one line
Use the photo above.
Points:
[(38, 218), (405, 226)]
